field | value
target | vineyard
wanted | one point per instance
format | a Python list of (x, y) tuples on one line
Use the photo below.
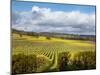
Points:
[(48, 52)]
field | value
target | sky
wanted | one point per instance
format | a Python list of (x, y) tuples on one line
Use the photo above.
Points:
[(52, 17)]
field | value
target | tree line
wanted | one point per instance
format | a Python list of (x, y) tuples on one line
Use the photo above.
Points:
[(49, 35)]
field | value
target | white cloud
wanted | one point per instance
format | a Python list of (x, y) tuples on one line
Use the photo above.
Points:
[(44, 19), (38, 9)]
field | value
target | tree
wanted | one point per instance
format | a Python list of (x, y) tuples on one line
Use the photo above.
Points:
[(48, 37)]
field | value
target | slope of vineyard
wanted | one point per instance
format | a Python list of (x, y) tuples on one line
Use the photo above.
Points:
[(48, 48)]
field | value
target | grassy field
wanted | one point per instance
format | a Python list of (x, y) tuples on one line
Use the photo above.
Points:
[(48, 50)]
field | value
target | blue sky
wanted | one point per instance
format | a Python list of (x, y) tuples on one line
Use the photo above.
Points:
[(51, 17), (27, 6)]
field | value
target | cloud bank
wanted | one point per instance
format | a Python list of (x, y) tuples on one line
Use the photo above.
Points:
[(45, 20)]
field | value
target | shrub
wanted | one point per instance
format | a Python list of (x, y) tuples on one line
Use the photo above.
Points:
[(85, 60), (63, 61), (23, 64)]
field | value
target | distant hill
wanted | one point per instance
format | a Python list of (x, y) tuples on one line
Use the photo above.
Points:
[(57, 35)]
